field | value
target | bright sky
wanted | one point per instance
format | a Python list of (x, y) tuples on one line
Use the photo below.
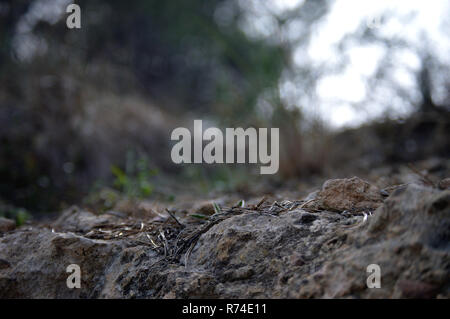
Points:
[(337, 92)]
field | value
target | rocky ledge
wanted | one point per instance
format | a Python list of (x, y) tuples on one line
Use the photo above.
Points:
[(319, 247)]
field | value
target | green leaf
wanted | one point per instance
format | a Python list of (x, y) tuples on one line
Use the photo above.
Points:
[(241, 203), (121, 177), (217, 209), (21, 217)]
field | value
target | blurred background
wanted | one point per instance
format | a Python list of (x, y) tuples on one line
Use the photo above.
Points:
[(352, 85)]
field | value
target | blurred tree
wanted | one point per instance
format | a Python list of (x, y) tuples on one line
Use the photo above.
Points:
[(175, 52)]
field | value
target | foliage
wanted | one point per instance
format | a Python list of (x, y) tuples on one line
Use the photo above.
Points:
[(134, 181), (20, 215), (157, 50)]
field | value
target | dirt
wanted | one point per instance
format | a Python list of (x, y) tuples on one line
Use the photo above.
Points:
[(320, 245)]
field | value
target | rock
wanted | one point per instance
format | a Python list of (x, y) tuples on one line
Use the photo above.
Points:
[(36, 260), (4, 264), (408, 237), (6, 225), (249, 253), (295, 254), (204, 208), (353, 194), (445, 183), (143, 209), (76, 220), (417, 289)]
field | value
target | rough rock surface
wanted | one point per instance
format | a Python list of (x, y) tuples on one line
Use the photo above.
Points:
[(352, 194), (275, 250), (6, 225), (408, 237), (73, 220), (445, 183)]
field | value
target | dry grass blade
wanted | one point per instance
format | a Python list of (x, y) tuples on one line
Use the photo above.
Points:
[(174, 218), (151, 240), (165, 243), (306, 203), (188, 253), (261, 202)]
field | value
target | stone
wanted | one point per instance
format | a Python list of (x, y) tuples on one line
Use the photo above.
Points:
[(81, 221), (36, 261), (445, 183), (352, 194), (295, 254), (407, 237), (416, 289), (6, 225)]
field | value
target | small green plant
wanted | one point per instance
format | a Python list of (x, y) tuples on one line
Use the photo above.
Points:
[(20, 215), (217, 209), (102, 198), (241, 203), (134, 181)]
